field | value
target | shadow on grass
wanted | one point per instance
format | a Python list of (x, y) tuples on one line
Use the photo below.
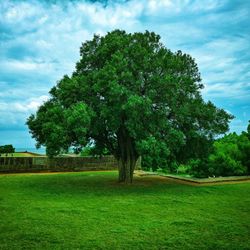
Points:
[(100, 183)]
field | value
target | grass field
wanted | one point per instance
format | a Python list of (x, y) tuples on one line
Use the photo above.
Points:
[(21, 154), (92, 211)]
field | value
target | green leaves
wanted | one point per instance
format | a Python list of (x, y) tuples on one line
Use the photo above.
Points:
[(154, 153), (229, 157), (7, 149), (58, 128), (129, 89), (47, 127), (78, 119)]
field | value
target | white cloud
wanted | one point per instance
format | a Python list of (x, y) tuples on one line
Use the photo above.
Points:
[(21, 65), (155, 5), (223, 71), (40, 43), (18, 12), (225, 90), (32, 104), (13, 114), (111, 16), (238, 125), (209, 5), (27, 106), (28, 67)]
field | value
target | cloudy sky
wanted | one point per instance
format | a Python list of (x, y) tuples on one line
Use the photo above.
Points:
[(40, 41)]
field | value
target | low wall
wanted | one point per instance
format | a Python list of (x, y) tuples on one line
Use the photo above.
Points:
[(36, 164)]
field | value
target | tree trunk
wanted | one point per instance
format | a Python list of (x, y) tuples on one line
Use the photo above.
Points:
[(127, 157), (126, 170)]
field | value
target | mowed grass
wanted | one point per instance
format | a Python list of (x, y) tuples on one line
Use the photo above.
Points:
[(90, 210), (20, 154)]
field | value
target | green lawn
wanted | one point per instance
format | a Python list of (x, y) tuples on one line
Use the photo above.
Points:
[(20, 154), (91, 211)]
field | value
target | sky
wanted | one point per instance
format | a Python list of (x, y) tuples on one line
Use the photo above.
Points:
[(40, 41)]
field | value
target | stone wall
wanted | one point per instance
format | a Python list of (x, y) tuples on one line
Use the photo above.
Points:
[(57, 164)]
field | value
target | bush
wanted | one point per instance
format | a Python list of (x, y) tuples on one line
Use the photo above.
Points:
[(86, 151), (220, 164), (198, 168), (182, 169), (230, 156)]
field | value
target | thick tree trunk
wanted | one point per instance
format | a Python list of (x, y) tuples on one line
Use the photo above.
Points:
[(126, 170), (127, 157)]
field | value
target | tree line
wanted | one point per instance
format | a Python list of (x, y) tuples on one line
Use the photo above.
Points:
[(225, 156)]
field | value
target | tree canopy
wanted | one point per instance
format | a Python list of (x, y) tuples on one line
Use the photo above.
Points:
[(7, 149), (128, 93)]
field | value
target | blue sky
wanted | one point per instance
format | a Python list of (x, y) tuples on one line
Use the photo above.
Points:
[(40, 41)]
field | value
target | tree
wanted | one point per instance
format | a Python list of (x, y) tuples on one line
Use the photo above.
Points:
[(229, 156), (7, 149), (126, 91), (248, 130)]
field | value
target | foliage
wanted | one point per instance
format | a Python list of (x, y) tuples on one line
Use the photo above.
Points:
[(227, 157), (155, 154), (5, 149), (182, 169), (93, 151), (230, 156), (58, 127), (86, 151), (198, 168), (128, 90)]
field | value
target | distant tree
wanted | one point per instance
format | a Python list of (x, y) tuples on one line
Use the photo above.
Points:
[(230, 155), (244, 146), (226, 159), (93, 151), (7, 149), (248, 130), (127, 91)]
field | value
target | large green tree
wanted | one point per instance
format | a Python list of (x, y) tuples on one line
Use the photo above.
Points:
[(127, 91)]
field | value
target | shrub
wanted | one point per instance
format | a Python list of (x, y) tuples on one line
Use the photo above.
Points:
[(230, 156), (198, 168), (86, 151), (220, 164), (227, 157), (182, 169)]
